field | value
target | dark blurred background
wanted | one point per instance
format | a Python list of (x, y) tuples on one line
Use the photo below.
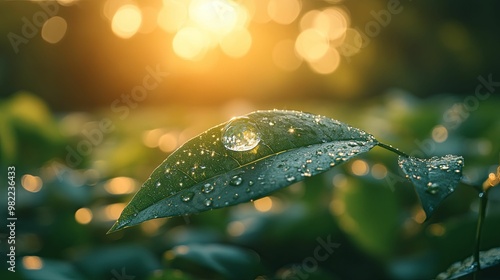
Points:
[(90, 55), (95, 94)]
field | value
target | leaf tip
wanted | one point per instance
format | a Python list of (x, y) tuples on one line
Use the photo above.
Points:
[(118, 225)]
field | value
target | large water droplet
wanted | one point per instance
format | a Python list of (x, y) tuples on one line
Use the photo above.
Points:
[(187, 196), (240, 134), (236, 180)]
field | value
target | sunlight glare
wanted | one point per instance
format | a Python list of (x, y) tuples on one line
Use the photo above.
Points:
[(311, 44), (191, 43), (126, 21), (284, 11), (237, 43), (217, 16), (284, 56), (172, 16), (327, 64)]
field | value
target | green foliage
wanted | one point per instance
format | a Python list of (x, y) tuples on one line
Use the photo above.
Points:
[(390, 240), (25, 125)]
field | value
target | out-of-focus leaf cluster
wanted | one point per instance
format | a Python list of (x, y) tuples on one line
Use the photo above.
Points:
[(366, 207)]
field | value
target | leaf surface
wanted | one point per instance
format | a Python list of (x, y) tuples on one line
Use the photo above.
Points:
[(243, 159), (434, 179)]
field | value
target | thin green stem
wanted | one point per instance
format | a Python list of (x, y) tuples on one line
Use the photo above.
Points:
[(483, 201), (392, 149)]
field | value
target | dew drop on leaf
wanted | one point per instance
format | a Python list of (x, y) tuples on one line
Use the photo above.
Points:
[(290, 178), (208, 202), (187, 196), (236, 180), (207, 188), (240, 134)]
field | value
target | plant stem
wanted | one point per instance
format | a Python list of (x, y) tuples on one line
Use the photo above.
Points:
[(483, 201), (394, 150)]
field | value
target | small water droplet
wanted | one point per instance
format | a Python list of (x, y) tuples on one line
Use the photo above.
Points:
[(250, 183), (187, 196), (248, 190), (240, 134), (457, 171), (352, 144), (208, 202), (444, 167), (432, 188), (319, 153), (235, 196), (236, 180), (290, 178), (158, 184), (207, 188), (202, 167), (306, 174)]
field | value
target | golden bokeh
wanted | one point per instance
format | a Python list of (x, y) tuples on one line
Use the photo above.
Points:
[(264, 204), (311, 44), (379, 171), (359, 167), (284, 11), (126, 21), (31, 183), (83, 216), (237, 43), (32, 262), (327, 64), (54, 29), (236, 228), (439, 134), (120, 185)]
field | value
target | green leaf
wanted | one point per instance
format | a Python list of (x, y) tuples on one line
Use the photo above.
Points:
[(246, 158), (357, 203), (434, 178), (459, 269)]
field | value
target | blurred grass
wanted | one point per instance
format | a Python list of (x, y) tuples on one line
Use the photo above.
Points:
[(376, 219)]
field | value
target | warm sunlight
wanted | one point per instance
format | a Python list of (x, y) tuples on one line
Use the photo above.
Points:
[(126, 21)]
